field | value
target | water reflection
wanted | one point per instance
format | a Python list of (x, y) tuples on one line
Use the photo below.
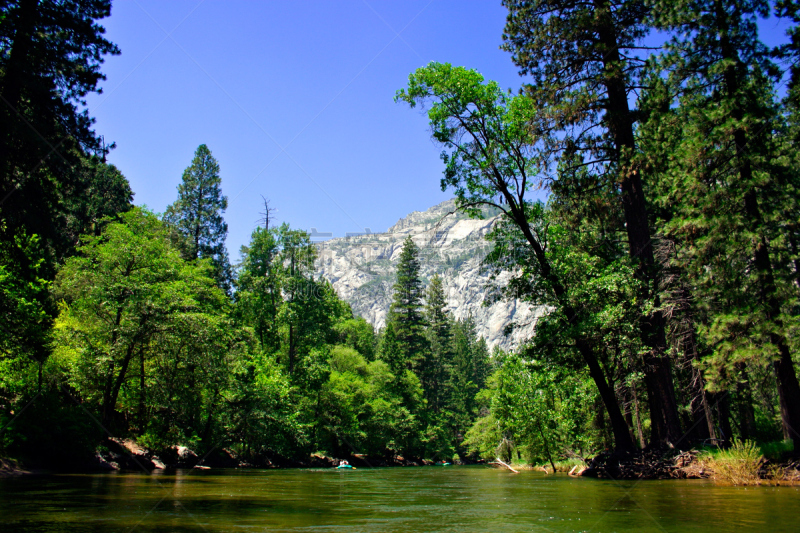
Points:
[(392, 499)]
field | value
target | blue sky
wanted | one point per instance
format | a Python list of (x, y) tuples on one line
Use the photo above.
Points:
[(294, 99)]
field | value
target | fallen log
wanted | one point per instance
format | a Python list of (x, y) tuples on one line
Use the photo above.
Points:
[(497, 461)]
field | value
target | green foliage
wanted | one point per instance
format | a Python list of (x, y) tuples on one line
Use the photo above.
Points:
[(541, 409), (491, 150), (725, 191), (127, 297), (405, 314), (666, 256), (25, 304), (435, 366), (53, 191), (358, 334)]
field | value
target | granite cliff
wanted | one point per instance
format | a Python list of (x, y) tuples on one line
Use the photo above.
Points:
[(362, 270)]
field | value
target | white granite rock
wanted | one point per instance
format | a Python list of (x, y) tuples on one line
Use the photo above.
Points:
[(362, 270)]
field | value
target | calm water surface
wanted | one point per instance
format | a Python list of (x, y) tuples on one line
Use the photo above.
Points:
[(458, 499)]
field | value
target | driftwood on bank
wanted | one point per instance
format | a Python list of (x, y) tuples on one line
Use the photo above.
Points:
[(497, 461)]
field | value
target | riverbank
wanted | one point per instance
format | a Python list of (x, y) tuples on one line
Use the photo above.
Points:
[(742, 464), (128, 455), (11, 468), (739, 465)]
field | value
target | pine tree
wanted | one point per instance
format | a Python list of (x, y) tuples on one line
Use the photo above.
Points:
[(197, 215), (405, 312), (582, 57), (729, 189), (435, 367), (51, 56)]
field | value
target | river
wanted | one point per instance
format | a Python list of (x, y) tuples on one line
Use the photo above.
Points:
[(458, 499)]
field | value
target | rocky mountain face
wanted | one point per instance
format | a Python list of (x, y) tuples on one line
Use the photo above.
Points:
[(362, 270)]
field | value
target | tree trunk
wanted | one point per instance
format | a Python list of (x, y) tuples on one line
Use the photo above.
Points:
[(110, 403), (722, 401), (666, 427), (702, 419), (639, 431), (744, 393), (291, 349), (701, 411), (142, 398), (789, 396), (547, 449)]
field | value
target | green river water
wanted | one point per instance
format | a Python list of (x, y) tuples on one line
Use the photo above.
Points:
[(462, 499)]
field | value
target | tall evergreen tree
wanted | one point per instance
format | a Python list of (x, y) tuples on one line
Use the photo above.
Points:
[(405, 312), (197, 214), (435, 367), (50, 57), (582, 57), (732, 197)]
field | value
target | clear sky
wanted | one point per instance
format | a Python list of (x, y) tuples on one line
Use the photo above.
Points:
[(294, 99)]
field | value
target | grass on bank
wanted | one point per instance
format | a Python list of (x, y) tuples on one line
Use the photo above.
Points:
[(747, 463), (744, 463)]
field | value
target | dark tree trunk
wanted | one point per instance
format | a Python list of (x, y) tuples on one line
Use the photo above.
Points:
[(142, 395), (291, 348), (665, 423), (722, 401), (110, 403), (638, 412), (702, 419), (744, 393), (789, 396)]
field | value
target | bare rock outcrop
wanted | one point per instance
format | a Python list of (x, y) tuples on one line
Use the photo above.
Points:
[(362, 270)]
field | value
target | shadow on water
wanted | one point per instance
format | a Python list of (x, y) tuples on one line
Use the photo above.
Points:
[(389, 499)]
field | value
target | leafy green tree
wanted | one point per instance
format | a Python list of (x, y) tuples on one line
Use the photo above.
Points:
[(197, 214), (26, 309), (125, 289), (358, 412), (258, 286), (291, 313), (490, 150), (358, 334), (311, 307), (541, 409), (262, 419)]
